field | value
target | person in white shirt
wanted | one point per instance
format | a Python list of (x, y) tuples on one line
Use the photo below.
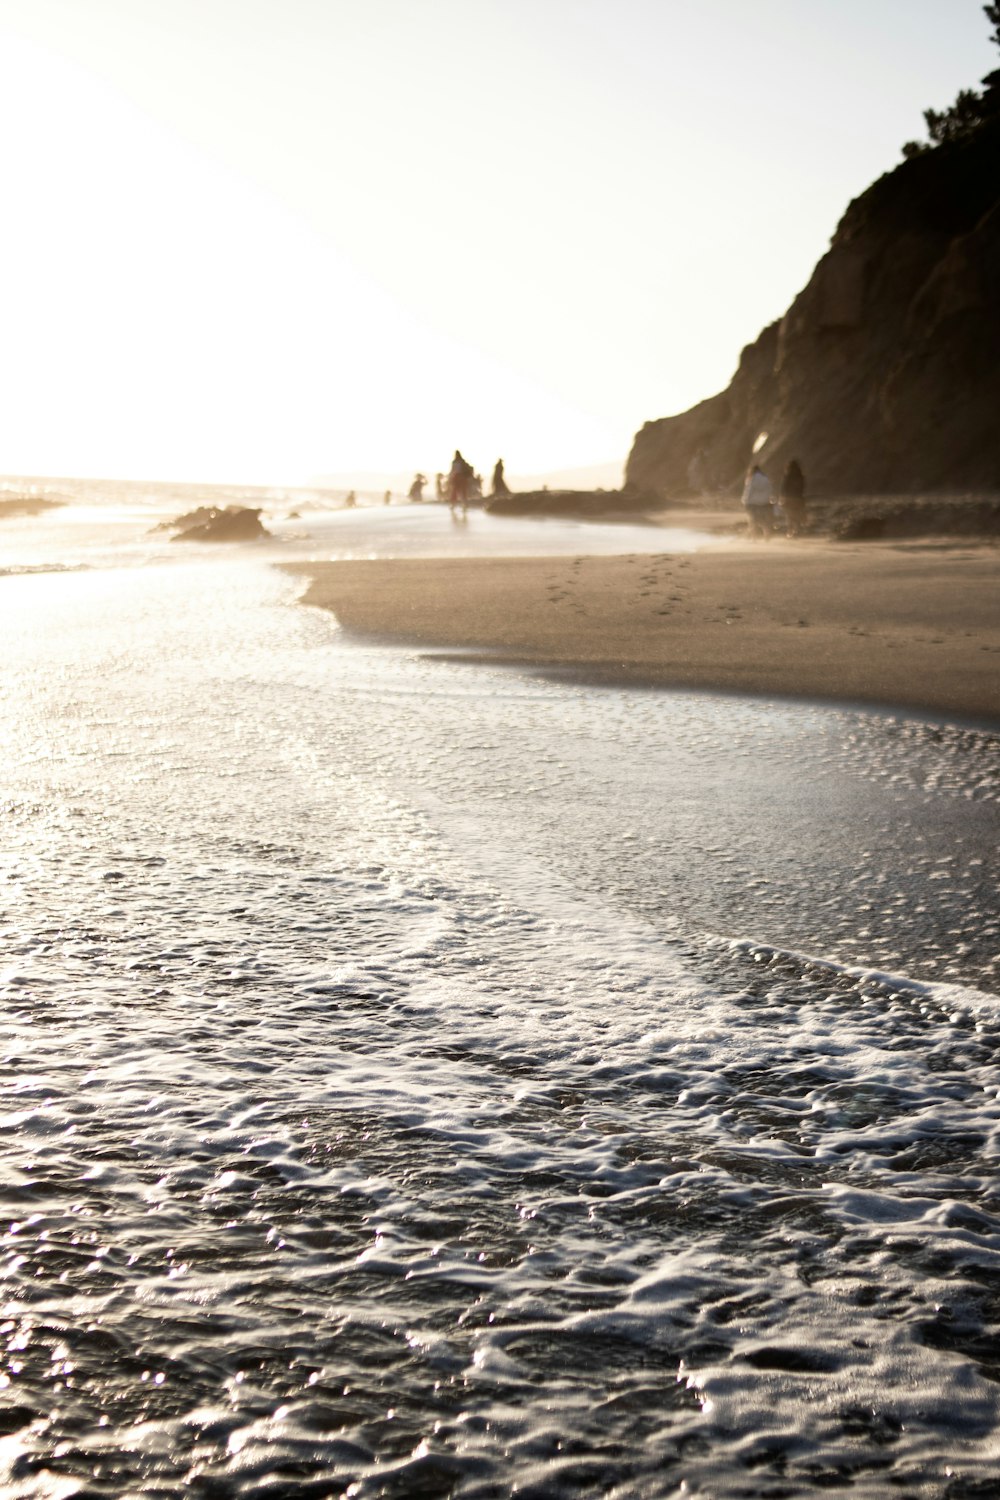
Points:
[(758, 502)]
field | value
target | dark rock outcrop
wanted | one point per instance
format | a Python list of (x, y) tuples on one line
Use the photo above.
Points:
[(884, 374), (965, 517), (584, 503), (210, 523), (26, 505)]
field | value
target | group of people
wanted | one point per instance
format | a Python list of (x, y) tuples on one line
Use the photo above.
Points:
[(768, 512), (460, 486)]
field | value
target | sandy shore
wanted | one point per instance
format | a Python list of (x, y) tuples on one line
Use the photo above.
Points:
[(909, 626)]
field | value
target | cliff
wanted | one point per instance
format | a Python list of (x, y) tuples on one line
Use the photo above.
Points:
[(884, 374)]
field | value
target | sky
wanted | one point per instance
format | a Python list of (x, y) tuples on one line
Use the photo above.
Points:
[(267, 240)]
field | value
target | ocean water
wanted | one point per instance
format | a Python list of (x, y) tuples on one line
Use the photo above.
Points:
[(422, 1079), (101, 525)]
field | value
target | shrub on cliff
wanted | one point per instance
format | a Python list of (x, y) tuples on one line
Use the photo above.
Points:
[(970, 110)]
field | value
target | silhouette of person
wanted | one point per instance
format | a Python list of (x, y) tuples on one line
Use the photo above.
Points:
[(416, 490), (758, 499), (387, 498), (793, 498), (459, 481), (351, 500), (499, 486), (439, 491)]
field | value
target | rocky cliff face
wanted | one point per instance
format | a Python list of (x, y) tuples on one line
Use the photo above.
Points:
[(884, 374)]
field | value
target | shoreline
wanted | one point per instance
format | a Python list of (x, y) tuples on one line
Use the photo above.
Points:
[(912, 627)]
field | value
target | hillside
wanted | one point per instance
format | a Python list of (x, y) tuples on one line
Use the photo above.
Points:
[(884, 374)]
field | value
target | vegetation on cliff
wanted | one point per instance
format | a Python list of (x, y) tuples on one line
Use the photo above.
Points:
[(884, 374), (971, 109)]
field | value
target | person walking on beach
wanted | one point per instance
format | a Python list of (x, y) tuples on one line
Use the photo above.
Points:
[(499, 485), (459, 480), (793, 498), (758, 500)]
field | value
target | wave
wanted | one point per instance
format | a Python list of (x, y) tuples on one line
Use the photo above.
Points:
[(950, 999), (17, 570)]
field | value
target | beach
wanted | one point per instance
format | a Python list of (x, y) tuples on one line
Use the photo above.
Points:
[(424, 1079), (912, 625), (500, 984)]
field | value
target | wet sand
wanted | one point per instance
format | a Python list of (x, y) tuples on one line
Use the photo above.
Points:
[(904, 626)]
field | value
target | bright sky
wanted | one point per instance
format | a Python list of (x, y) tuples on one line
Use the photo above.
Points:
[(262, 240)]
